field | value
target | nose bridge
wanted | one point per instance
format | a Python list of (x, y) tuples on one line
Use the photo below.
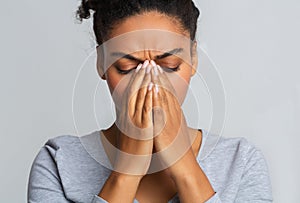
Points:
[(149, 54)]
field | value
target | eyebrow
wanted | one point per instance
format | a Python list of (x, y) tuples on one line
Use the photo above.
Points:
[(164, 55)]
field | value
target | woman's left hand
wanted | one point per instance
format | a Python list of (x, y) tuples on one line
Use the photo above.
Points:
[(173, 142), (171, 137)]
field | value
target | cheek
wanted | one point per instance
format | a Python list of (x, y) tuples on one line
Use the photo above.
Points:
[(117, 85), (112, 82), (113, 79)]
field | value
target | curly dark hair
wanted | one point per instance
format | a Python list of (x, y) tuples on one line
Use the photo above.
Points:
[(107, 13)]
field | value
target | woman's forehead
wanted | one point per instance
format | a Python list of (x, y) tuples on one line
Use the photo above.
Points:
[(147, 39), (147, 20), (139, 41)]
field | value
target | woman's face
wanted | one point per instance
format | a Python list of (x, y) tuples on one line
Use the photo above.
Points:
[(179, 69)]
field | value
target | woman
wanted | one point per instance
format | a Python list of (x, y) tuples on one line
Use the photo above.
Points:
[(153, 153)]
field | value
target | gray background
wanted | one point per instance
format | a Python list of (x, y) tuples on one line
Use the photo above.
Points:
[(254, 43)]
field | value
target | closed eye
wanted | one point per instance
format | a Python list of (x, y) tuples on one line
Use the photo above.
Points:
[(166, 69), (170, 70), (124, 72)]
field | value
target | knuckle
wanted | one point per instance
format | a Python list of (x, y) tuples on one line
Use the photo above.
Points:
[(146, 109), (164, 99), (140, 97)]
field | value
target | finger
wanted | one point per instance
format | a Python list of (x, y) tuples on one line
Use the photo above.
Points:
[(158, 111), (129, 102), (134, 86), (138, 77), (141, 97), (132, 79), (147, 107), (154, 73), (159, 92), (128, 105), (158, 103), (168, 89), (156, 83), (134, 75)]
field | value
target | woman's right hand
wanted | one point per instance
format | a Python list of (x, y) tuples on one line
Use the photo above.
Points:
[(135, 140), (134, 121)]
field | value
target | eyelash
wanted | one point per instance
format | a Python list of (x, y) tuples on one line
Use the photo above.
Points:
[(170, 70), (167, 69)]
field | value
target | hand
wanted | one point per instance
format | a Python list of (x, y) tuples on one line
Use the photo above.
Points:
[(134, 120), (171, 138)]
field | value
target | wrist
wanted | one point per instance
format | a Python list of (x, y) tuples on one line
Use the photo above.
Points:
[(185, 167), (196, 182), (122, 184), (121, 178)]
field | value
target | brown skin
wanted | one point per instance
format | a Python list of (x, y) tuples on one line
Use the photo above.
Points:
[(185, 177)]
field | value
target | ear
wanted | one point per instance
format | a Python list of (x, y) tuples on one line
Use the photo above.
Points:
[(194, 57), (100, 59)]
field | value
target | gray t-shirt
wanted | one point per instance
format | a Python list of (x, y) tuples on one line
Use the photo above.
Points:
[(67, 169)]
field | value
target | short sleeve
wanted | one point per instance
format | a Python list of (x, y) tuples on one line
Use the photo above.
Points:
[(214, 199), (98, 199), (255, 185), (44, 183)]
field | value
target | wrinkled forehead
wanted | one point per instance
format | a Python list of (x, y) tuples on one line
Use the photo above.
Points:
[(140, 40)]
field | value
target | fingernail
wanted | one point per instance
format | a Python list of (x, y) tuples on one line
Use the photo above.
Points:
[(146, 63), (150, 86), (153, 63), (160, 69), (138, 68), (148, 69), (154, 67), (156, 88)]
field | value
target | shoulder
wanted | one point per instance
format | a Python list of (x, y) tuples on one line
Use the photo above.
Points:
[(62, 140), (48, 153), (64, 149), (64, 166), (237, 168), (238, 143), (70, 143), (232, 152), (44, 174), (239, 147), (250, 154), (53, 145)]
